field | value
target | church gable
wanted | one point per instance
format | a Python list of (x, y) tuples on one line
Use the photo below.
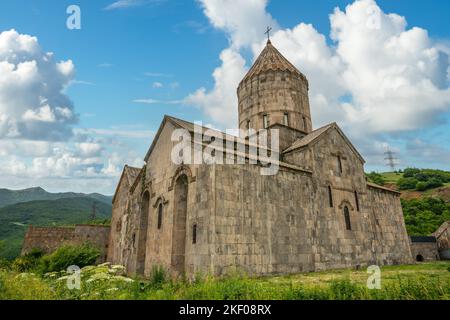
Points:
[(158, 159), (129, 175), (307, 142)]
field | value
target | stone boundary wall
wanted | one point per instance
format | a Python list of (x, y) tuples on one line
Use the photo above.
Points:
[(49, 239), (424, 251)]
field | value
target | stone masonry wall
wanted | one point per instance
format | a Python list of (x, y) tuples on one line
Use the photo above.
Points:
[(118, 223), (427, 250), (262, 224), (274, 93), (49, 239)]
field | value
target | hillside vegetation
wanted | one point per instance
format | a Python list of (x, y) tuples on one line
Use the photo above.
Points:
[(425, 197), (14, 219)]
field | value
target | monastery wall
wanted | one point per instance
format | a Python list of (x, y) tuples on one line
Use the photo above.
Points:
[(48, 239)]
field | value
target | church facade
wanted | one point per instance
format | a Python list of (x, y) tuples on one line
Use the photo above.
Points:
[(318, 212)]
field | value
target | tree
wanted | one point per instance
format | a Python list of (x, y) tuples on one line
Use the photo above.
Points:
[(410, 172), (421, 186), (407, 183), (424, 216), (376, 178)]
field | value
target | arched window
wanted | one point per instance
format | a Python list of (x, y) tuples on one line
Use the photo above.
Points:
[(419, 258), (160, 215), (305, 126), (348, 223), (330, 196), (194, 234), (357, 200)]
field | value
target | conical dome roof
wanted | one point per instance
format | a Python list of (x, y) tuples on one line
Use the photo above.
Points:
[(271, 59)]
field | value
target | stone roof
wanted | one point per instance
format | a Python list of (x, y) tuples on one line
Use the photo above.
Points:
[(128, 173), (131, 174), (306, 140), (376, 186), (423, 239), (271, 59), (319, 133), (189, 126), (442, 229)]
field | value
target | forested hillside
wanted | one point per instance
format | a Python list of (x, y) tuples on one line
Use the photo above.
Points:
[(14, 219), (425, 196)]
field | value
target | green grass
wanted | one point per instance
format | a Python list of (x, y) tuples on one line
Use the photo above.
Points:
[(391, 177), (428, 281)]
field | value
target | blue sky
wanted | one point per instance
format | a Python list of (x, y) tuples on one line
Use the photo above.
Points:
[(163, 52)]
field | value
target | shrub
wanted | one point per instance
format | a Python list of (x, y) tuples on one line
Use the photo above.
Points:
[(421, 186), (376, 178), (407, 183), (434, 183), (5, 264), (424, 179), (27, 262), (410, 172), (158, 276), (66, 256)]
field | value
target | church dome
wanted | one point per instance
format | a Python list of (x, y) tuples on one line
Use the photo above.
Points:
[(271, 59), (274, 93)]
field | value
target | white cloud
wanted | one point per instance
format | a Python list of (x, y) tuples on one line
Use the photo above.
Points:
[(38, 145), (88, 149), (244, 23), (27, 148), (418, 148), (32, 100), (44, 114), (138, 134), (395, 75), (121, 4), (220, 104), (46, 163), (155, 101), (373, 79), (157, 85), (87, 83)]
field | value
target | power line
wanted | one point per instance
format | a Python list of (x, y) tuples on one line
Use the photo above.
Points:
[(390, 159)]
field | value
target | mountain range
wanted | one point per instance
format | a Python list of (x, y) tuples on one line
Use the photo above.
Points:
[(9, 197)]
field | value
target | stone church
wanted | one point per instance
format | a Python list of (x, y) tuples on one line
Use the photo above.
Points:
[(318, 212)]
